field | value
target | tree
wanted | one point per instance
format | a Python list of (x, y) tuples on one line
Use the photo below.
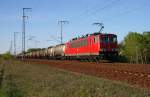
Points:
[(33, 49), (146, 47), (136, 47)]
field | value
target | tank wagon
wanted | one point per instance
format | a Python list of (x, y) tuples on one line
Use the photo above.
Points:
[(94, 46), (50, 52), (59, 51)]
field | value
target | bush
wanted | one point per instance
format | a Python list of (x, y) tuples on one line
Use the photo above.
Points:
[(6, 56)]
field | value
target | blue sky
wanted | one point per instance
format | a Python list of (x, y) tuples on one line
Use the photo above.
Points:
[(119, 17)]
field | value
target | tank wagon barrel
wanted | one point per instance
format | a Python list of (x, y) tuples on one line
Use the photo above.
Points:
[(58, 51)]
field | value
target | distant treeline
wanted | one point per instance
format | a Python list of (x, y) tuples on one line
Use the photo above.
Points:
[(135, 48)]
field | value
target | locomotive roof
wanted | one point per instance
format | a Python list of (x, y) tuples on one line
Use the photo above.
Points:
[(96, 33)]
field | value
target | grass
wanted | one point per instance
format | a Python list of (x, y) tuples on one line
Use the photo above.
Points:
[(31, 80)]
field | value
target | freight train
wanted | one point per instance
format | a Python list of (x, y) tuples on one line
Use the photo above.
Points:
[(94, 46)]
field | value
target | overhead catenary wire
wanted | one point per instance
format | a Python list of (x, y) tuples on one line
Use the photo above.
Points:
[(109, 5), (127, 12), (92, 12), (95, 9)]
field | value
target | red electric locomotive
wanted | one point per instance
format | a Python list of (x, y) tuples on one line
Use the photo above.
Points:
[(92, 46)]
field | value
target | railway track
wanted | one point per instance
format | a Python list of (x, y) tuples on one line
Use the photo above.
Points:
[(135, 74)]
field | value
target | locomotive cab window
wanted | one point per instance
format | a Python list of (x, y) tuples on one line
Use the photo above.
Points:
[(104, 39), (113, 39)]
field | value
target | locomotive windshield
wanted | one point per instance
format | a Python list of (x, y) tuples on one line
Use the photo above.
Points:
[(113, 39), (106, 39)]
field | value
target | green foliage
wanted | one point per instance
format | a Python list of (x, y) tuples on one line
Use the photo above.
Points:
[(136, 47), (1, 93), (33, 49), (6, 56), (9, 87), (121, 57), (146, 36), (13, 92)]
